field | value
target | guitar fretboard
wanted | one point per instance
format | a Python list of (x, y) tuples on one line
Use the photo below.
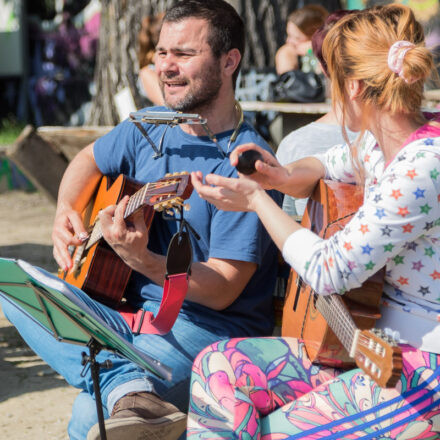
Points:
[(135, 202), (338, 318)]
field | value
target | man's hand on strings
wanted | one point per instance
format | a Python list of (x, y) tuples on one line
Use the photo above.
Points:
[(128, 238)]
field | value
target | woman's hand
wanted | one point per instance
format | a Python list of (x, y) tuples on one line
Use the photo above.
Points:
[(229, 194), (244, 194), (303, 47), (286, 58), (269, 173)]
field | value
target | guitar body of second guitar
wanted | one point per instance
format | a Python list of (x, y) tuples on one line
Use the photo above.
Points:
[(100, 272), (331, 206)]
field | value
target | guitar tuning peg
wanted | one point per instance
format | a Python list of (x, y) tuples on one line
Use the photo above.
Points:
[(378, 332), (390, 340), (170, 212), (375, 370)]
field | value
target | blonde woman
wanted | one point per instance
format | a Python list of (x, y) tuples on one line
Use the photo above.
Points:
[(267, 388)]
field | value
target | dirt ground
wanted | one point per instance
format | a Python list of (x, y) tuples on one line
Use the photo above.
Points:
[(35, 402)]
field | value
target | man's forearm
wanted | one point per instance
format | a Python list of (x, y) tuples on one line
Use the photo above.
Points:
[(76, 188), (214, 284), (278, 223), (79, 181)]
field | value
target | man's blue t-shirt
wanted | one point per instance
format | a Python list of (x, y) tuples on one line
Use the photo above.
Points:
[(226, 235)]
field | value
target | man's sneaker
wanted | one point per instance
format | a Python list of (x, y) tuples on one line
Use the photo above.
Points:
[(141, 416)]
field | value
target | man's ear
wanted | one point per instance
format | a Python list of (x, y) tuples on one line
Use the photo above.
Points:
[(355, 88), (231, 61)]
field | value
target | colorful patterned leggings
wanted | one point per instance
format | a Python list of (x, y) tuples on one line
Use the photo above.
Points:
[(266, 388)]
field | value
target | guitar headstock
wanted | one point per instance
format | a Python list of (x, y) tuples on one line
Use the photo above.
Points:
[(379, 356), (170, 191)]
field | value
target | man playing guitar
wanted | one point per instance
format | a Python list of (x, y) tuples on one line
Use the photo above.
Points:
[(232, 278)]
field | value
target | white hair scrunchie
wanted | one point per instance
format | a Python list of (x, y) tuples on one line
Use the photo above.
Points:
[(396, 54)]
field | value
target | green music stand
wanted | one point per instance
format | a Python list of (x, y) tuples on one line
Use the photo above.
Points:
[(51, 303)]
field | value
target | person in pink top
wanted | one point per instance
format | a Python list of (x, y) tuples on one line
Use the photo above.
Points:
[(267, 388)]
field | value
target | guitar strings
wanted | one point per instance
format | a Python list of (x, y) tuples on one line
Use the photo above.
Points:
[(341, 328), (135, 201), (363, 339), (346, 325)]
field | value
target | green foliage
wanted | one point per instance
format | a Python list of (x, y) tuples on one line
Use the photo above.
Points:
[(10, 128)]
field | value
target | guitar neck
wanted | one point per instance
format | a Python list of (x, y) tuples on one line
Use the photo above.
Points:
[(338, 318), (136, 201)]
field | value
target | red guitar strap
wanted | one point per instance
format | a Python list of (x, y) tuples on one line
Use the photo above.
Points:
[(178, 263)]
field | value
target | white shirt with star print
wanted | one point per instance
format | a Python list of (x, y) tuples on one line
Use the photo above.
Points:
[(397, 227)]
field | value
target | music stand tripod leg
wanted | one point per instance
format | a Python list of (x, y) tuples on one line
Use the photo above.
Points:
[(94, 349)]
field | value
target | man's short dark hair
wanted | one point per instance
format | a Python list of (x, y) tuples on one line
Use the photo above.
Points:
[(226, 27)]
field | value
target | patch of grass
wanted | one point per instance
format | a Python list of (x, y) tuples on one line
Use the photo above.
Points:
[(9, 130)]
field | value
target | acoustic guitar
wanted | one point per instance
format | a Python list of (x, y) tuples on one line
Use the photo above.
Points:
[(97, 269), (338, 329)]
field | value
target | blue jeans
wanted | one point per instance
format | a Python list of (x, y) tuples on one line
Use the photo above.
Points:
[(177, 349)]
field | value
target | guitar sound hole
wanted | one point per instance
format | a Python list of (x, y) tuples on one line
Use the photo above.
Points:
[(298, 291)]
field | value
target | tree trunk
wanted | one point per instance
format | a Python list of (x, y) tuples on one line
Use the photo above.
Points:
[(117, 64), (265, 30), (266, 26)]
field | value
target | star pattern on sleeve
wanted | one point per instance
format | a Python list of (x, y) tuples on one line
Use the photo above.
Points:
[(398, 227)]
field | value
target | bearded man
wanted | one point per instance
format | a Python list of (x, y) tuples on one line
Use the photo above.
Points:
[(232, 278)]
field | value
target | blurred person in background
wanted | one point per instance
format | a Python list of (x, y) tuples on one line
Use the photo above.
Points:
[(148, 38), (319, 135), (297, 53)]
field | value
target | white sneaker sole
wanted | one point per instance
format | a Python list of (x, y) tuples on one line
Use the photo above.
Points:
[(136, 428)]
